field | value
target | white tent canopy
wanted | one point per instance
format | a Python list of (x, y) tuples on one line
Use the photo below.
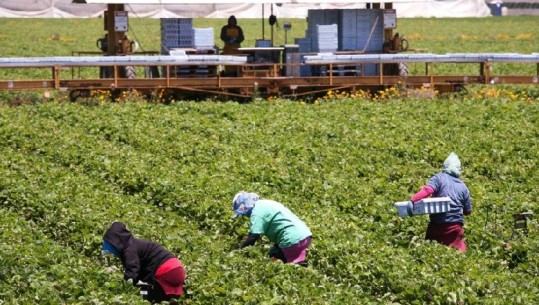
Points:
[(240, 1), (240, 8)]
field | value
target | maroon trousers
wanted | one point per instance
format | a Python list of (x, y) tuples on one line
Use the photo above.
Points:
[(449, 234), (168, 287)]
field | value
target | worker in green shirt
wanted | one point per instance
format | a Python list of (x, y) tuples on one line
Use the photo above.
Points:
[(290, 235)]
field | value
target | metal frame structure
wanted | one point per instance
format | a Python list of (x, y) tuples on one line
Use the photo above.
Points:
[(341, 71), (269, 82)]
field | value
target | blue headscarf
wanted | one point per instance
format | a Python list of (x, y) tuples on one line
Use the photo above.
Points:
[(108, 247), (243, 203)]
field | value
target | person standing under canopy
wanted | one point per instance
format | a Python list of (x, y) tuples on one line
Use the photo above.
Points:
[(232, 36)]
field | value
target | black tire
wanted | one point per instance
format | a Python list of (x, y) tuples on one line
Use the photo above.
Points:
[(130, 72), (75, 94), (403, 69)]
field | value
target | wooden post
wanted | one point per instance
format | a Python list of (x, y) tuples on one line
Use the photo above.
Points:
[(331, 74), (431, 72), (116, 76), (167, 69), (487, 72), (56, 76)]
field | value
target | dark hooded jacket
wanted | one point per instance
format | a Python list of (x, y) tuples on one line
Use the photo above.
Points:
[(141, 258)]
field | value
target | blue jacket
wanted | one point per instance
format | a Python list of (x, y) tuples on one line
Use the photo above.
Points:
[(446, 185)]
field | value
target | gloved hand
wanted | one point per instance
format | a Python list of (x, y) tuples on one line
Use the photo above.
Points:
[(145, 289)]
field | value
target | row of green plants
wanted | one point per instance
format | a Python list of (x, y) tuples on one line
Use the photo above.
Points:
[(169, 172)]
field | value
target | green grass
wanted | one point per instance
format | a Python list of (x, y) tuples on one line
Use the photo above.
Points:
[(60, 37)]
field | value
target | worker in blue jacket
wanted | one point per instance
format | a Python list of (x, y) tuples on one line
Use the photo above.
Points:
[(448, 228)]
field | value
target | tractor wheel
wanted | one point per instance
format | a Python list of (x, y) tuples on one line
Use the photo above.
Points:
[(75, 94), (403, 69), (130, 72)]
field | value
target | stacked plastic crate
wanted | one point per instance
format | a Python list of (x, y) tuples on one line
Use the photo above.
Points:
[(356, 29), (305, 46), (369, 37), (176, 33)]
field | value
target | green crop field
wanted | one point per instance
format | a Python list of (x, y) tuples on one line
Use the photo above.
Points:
[(169, 171)]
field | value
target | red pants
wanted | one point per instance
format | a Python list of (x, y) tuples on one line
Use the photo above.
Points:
[(169, 279), (449, 234)]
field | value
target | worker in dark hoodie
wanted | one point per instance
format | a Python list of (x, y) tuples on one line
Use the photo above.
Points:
[(146, 261)]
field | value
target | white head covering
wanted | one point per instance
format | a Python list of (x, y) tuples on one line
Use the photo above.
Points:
[(243, 203), (452, 165)]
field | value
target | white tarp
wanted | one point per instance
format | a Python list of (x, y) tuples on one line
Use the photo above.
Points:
[(443, 9), (245, 9)]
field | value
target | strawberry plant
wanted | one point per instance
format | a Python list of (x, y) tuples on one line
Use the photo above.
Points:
[(169, 172)]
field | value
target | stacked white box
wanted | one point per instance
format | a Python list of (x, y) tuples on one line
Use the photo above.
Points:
[(203, 37), (327, 39), (424, 206)]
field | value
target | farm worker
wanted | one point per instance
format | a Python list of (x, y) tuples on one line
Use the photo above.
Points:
[(232, 36), (447, 228), (290, 235), (146, 261)]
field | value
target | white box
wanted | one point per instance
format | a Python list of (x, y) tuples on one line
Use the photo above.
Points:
[(404, 208), (424, 206), (203, 37)]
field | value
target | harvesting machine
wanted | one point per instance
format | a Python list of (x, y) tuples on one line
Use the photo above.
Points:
[(343, 49)]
